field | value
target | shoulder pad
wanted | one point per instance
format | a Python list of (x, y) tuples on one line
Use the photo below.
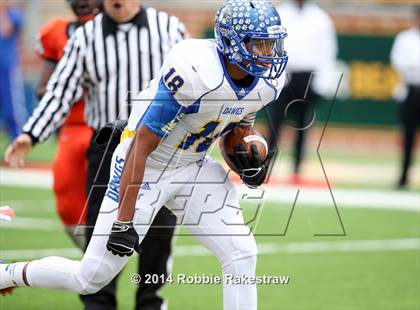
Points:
[(49, 37), (192, 69)]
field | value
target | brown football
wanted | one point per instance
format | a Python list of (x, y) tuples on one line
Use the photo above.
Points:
[(247, 137)]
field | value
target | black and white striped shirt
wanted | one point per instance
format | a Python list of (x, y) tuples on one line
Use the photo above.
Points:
[(111, 61)]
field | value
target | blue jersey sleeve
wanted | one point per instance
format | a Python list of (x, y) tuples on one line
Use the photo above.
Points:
[(164, 112)]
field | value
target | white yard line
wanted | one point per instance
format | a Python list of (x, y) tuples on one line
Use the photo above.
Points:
[(31, 223), (372, 199), (35, 178), (393, 200), (264, 248)]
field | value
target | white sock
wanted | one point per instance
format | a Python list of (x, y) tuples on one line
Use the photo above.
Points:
[(13, 273), (240, 296)]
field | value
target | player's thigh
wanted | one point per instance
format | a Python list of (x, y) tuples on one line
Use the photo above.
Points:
[(98, 264), (151, 196), (214, 216), (69, 171), (153, 193), (70, 163)]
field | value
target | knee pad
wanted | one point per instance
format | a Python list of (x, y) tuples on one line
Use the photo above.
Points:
[(89, 289), (242, 266), (94, 275), (237, 248)]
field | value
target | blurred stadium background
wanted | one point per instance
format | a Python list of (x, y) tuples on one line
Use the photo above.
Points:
[(354, 246)]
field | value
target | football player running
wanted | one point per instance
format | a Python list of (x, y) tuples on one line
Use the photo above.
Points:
[(162, 160)]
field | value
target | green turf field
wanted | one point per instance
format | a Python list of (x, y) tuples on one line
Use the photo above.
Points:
[(369, 268)]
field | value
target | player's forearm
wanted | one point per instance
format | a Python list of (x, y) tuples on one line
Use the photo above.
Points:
[(132, 176), (131, 180)]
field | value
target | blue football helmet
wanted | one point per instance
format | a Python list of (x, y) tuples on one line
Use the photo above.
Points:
[(250, 35)]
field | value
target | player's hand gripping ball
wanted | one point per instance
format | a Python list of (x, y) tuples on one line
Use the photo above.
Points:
[(246, 152)]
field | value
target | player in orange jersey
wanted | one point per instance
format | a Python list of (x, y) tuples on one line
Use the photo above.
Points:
[(70, 163)]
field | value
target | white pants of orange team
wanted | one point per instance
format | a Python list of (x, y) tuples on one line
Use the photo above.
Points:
[(204, 201)]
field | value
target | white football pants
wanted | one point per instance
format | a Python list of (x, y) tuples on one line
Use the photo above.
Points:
[(205, 202)]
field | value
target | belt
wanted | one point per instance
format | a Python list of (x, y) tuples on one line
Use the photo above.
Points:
[(127, 134), (414, 87)]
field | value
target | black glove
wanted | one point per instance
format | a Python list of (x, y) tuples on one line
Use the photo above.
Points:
[(252, 171), (109, 135), (123, 239)]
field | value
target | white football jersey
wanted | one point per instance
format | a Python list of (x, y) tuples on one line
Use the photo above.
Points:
[(193, 101)]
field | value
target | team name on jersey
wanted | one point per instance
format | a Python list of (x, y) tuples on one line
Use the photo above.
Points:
[(113, 191), (169, 126), (233, 111)]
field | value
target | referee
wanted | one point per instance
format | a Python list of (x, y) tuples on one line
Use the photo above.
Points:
[(308, 26), (405, 57), (108, 59)]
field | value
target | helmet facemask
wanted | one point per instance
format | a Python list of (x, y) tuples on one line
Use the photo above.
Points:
[(262, 55)]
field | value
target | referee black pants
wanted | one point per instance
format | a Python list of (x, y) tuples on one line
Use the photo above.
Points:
[(155, 248), (410, 120), (294, 105)]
